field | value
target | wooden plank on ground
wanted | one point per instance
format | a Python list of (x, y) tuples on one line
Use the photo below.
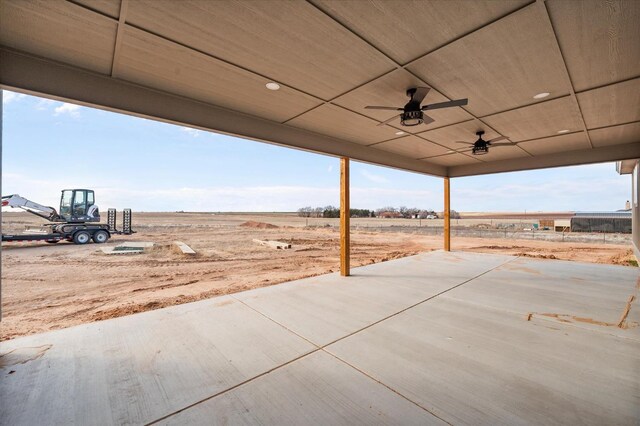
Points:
[(273, 244), (184, 248)]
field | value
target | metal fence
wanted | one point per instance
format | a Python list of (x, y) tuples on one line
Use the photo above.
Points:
[(510, 234)]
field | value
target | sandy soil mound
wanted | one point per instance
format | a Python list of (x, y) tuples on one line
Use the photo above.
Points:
[(259, 225)]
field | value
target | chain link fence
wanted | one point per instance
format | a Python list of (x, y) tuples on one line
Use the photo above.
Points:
[(507, 234)]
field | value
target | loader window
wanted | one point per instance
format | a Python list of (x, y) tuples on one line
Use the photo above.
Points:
[(65, 203), (79, 206), (90, 200)]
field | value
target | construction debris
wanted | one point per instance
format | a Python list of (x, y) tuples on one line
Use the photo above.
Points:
[(136, 244), (273, 244), (122, 250), (128, 247), (184, 248)]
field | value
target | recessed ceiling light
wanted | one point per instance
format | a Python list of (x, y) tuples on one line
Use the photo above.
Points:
[(272, 86), (563, 131), (399, 133), (541, 95)]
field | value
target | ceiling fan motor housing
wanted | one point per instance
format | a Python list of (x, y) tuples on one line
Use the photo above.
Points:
[(480, 148), (411, 118)]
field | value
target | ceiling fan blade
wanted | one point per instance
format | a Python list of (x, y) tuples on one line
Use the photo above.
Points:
[(391, 119), (466, 143), (448, 104), (420, 94), (426, 119), (503, 144), (384, 108), (499, 138)]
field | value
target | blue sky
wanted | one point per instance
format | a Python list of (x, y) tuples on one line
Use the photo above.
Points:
[(153, 166)]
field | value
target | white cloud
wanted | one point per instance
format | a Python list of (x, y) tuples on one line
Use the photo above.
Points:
[(9, 97), (373, 177), (561, 194), (44, 104), (190, 131), (329, 169), (71, 109)]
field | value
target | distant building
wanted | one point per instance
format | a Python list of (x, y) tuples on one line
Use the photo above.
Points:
[(610, 222), (562, 225), (627, 205)]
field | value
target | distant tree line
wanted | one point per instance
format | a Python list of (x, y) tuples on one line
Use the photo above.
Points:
[(390, 212), (332, 212)]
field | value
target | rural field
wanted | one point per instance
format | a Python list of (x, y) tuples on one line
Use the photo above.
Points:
[(52, 286)]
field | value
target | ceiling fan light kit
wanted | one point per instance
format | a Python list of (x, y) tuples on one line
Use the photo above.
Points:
[(412, 118), (480, 149)]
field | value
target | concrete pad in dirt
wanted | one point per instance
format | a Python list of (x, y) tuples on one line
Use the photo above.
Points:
[(114, 250), (314, 390), (143, 244), (470, 364), (325, 308), (138, 368)]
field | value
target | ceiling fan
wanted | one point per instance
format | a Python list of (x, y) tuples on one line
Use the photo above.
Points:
[(481, 147), (413, 113)]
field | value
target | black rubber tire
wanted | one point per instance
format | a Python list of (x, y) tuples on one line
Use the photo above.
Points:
[(81, 237), (100, 237)]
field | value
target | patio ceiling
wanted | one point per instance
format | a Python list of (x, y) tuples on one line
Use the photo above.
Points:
[(205, 65)]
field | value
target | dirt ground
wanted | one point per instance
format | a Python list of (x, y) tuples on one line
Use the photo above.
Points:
[(47, 286)]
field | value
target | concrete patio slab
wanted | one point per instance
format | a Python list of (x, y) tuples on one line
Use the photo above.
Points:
[(315, 390), (471, 364), (135, 369), (326, 308)]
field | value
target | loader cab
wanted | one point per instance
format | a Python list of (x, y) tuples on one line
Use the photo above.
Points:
[(78, 205)]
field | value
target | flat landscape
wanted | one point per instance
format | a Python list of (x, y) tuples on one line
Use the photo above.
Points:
[(52, 286)]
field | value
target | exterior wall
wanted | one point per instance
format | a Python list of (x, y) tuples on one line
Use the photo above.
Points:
[(635, 209)]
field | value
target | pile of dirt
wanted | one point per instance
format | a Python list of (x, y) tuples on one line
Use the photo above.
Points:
[(625, 259), (258, 225), (535, 255)]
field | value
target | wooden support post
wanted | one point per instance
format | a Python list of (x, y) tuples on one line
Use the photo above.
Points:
[(345, 240), (447, 215)]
